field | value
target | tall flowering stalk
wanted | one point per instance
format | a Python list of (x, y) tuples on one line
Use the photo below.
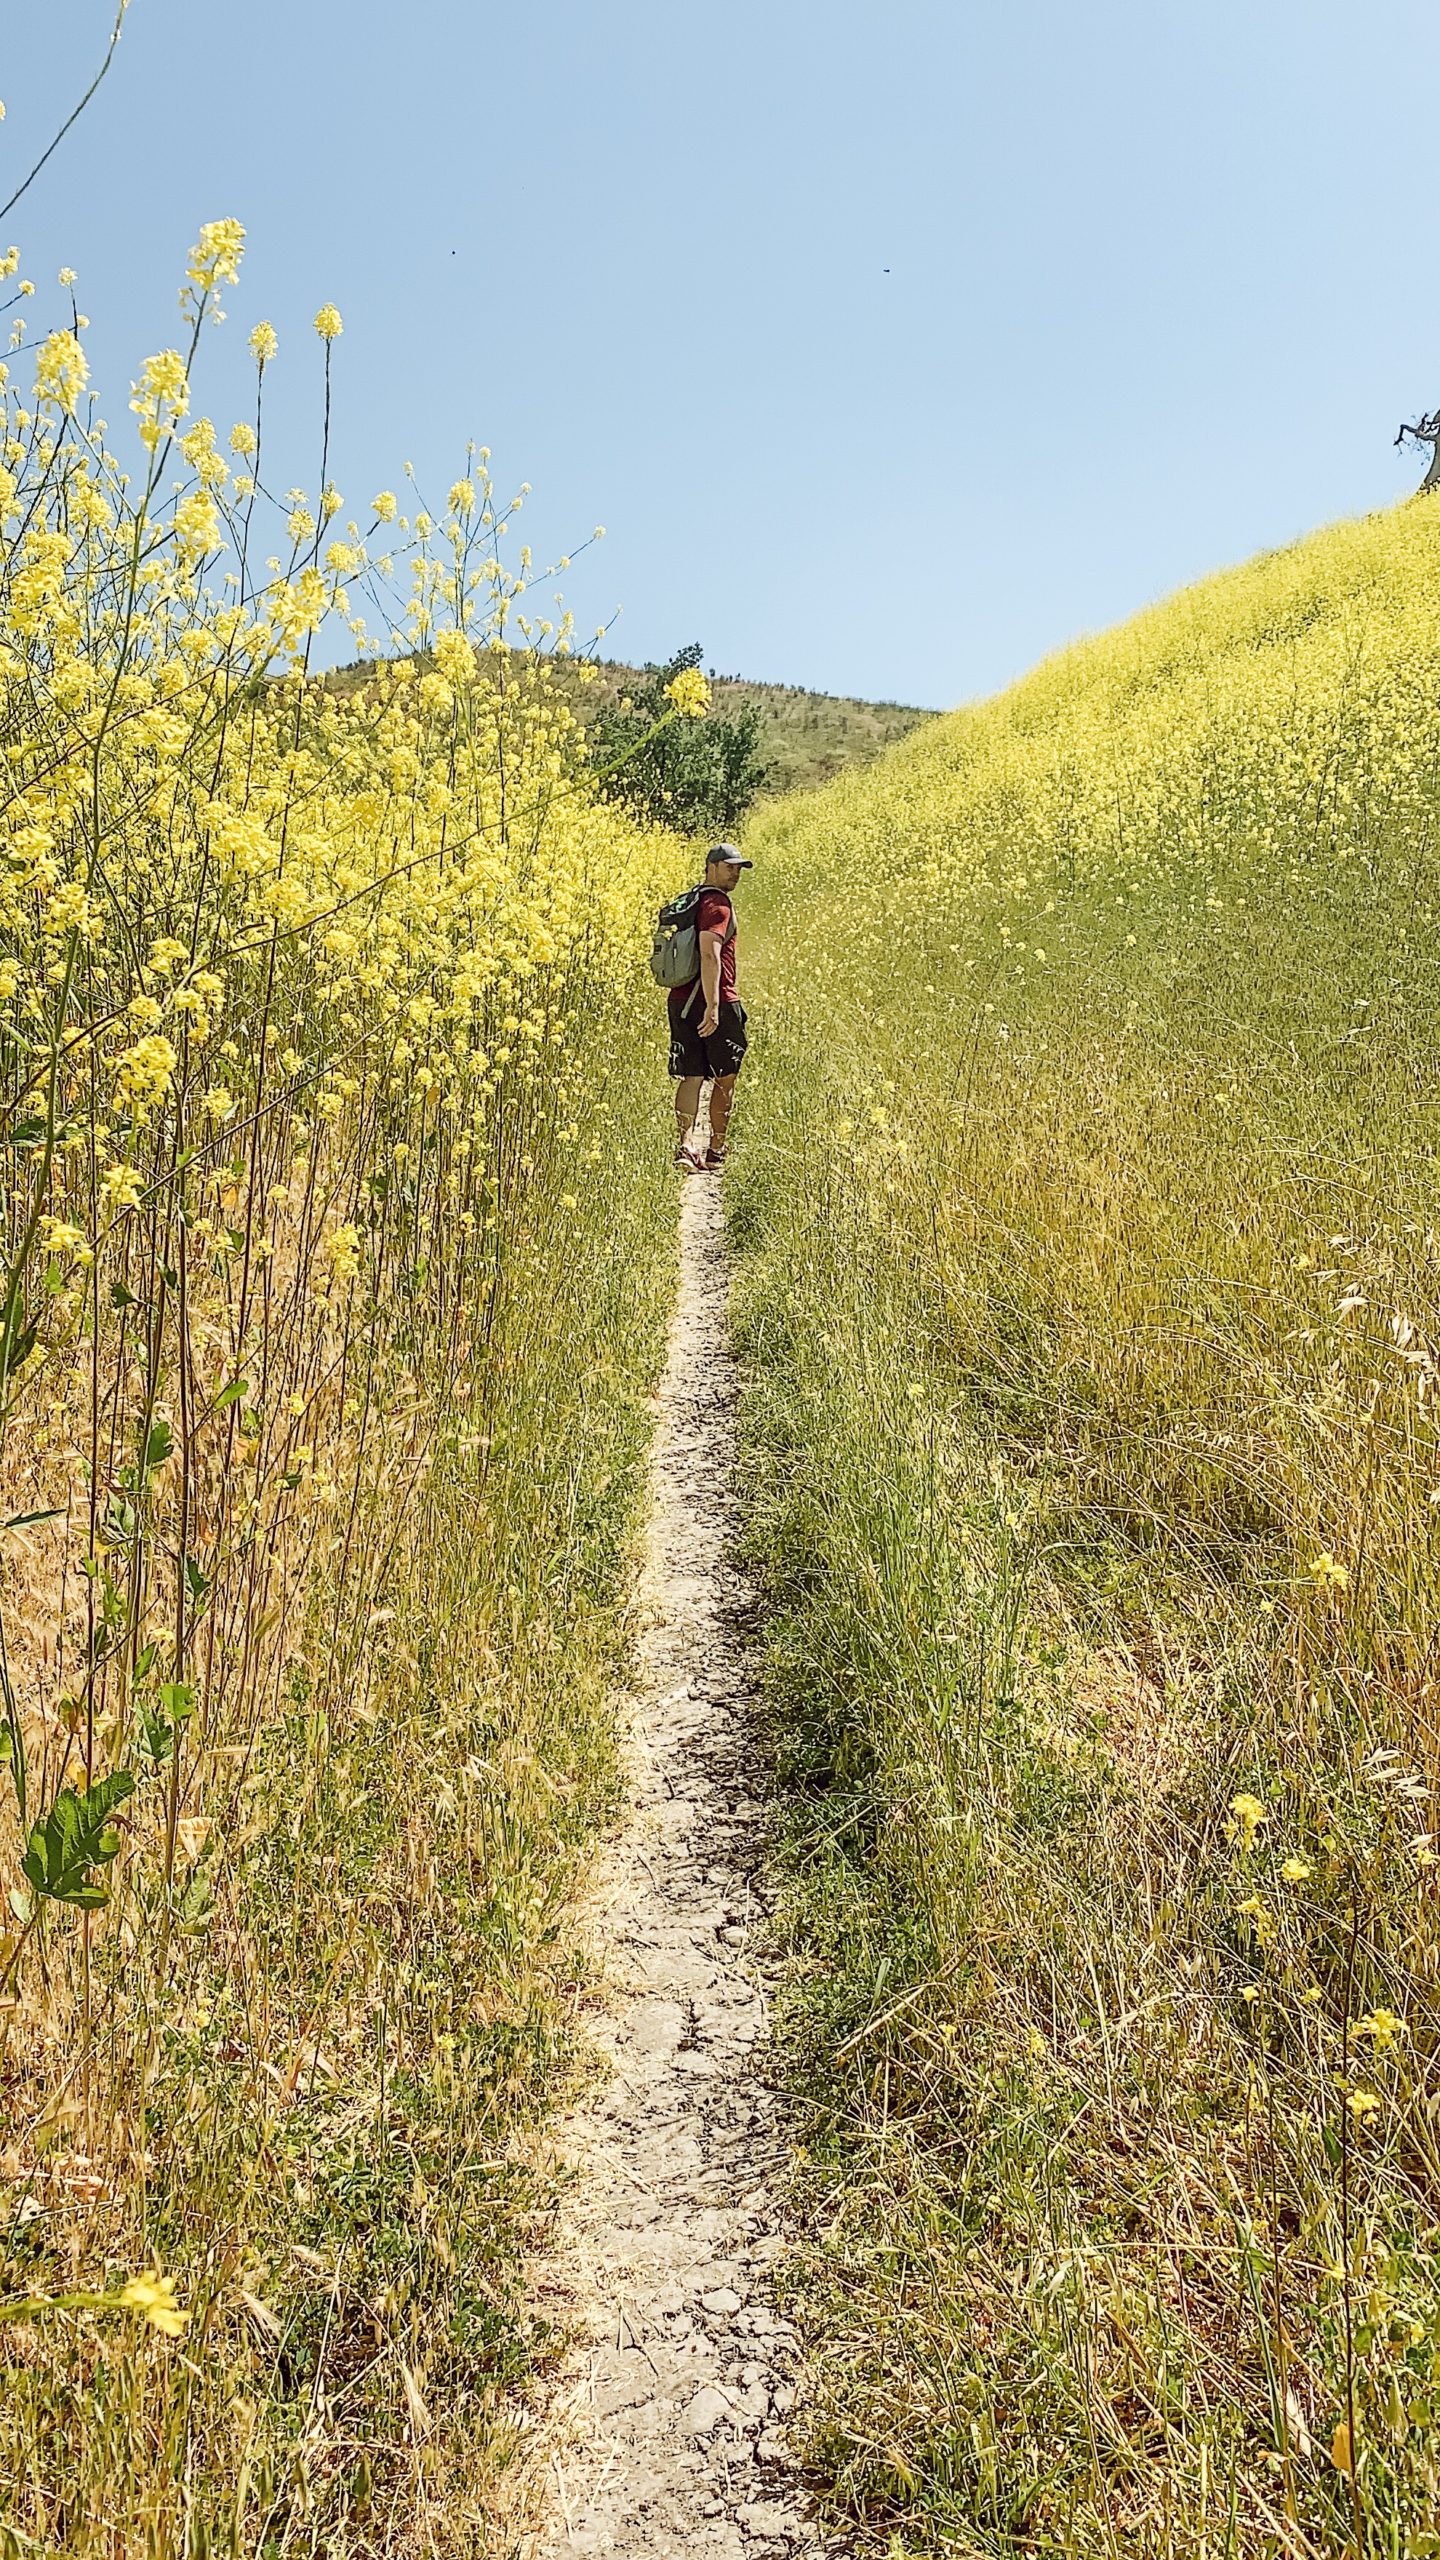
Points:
[(295, 977)]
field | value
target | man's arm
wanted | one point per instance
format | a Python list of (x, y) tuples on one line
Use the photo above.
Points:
[(711, 946)]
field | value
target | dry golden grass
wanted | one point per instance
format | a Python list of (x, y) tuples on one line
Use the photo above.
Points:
[(1092, 1304)]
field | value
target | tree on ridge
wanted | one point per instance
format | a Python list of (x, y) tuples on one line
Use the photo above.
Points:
[(1426, 431)]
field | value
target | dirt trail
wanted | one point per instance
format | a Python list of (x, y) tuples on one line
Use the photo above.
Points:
[(671, 2438)]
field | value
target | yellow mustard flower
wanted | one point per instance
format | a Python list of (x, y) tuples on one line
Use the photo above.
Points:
[(61, 371), (1247, 1815), (153, 2296), (215, 258), (690, 693)]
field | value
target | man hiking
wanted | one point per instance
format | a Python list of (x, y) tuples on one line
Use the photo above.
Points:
[(707, 1024)]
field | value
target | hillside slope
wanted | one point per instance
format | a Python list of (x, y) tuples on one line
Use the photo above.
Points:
[(1091, 1296), (807, 739)]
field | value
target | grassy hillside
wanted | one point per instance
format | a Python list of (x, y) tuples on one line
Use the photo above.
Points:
[(1091, 1298), (808, 738)]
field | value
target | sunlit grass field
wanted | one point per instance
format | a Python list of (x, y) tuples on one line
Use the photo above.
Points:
[(332, 1295), (1090, 1290)]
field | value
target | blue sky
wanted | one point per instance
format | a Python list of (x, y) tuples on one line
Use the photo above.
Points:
[(894, 345)]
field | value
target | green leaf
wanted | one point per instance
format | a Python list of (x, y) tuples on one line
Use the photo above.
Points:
[(157, 1735), (30, 1519), (120, 1296), (159, 1442), (195, 1908), (197, 1578), (17, 1341), (15, 1741), (232, 1394), (177, 1697), (73, 1839), (145, 1661)]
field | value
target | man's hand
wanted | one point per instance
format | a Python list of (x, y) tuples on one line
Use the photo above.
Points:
[(710, 1023)]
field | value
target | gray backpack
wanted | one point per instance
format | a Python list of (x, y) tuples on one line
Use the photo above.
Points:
[(675, 954)]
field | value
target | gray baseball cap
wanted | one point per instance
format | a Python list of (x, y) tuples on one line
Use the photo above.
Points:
[(728, 853)]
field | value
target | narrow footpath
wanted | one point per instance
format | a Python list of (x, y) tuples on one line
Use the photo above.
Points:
[(671, 2430)]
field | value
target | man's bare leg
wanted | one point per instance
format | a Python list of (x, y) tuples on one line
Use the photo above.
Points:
[(722, 1094), (687, 1109)]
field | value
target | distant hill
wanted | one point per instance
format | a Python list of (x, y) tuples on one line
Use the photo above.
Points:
[(809, 738)]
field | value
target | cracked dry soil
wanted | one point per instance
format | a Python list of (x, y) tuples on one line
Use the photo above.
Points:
[(671, 2424)]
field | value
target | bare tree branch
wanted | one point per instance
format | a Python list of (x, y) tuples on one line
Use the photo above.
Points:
[(75, 113), (1426, 430)]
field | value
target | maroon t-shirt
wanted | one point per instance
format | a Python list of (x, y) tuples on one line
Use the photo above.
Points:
[(715, 915)]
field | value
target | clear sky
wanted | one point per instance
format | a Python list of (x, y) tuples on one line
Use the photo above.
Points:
[(895, 342)]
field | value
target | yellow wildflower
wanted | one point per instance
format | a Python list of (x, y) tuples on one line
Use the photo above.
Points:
[(61, 371), (454, 656), (154, 2297), (1382, 2026), (1260, 1918), (164, 381), (1248, 1814), (120, 1188), (215, 258), (143, 1073), (58, 1236), (690, 693), (341, 1251), (196, 525)]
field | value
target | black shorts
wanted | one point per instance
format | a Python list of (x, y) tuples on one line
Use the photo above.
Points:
[(720, 1055)]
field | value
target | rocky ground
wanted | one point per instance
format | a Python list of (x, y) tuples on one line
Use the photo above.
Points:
[(671, 2434)]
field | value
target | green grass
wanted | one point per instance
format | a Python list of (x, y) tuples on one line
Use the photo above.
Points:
[(1088, 1286)]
